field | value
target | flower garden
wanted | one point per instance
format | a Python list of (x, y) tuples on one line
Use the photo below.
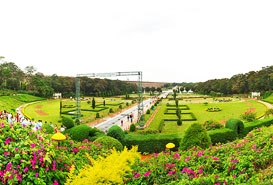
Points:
[(32, 157)]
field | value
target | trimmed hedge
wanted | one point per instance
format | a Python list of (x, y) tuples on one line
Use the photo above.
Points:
[(108, 143), (116, 132), (222, 135), (79, 132), (195, 135), (152, 143), (256, 124), (236, 125)]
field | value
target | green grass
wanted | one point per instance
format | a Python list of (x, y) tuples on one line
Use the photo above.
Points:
[(269, 99), (10, 103), (50, 108), (233, 109)]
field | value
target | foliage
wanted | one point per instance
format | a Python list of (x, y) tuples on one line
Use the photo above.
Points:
[(268, 112), (109, 170), (195, 135), (108, 143), (249, 115), (212, 125), (236, 125), (132, 128), (47, 128), (28, 157), (116, 132), (79, 132), (67, 122), (93, 103), (97, 115), (237, 162), (213, 109)]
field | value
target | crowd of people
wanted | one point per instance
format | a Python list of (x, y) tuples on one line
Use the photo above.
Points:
[(20, 118)]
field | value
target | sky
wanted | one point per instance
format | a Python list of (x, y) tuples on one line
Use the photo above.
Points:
[(168, 41)]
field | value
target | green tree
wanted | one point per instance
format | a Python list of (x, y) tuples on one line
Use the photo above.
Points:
[(93, 103)]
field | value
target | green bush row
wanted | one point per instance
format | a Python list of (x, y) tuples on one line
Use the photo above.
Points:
[(152, 143)]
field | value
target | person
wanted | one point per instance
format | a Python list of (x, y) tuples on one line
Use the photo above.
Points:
[(56, 128), (121, 123), (62, 128)]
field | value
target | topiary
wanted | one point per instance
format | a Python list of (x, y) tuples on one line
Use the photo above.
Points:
[(236, 125), (67, 122), (95, 133), (79, 132), (116, 132), (108, 143), (195, 135)]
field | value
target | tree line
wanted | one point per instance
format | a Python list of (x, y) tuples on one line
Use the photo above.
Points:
[(36, 83), (31, 81), (252, 81)]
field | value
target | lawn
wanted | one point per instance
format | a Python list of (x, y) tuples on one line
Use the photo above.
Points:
[(49, 110), (197, 106)]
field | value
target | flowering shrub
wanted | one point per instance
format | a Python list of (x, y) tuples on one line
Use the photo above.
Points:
[(249, 115), (31, 157), (27, 157), (109, 170), (238, 162), (212, 125)]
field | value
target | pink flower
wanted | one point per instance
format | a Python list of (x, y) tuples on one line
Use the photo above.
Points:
[(55, 183), (176, 156), (75, 150), (7, 141), (26, 169), (137, 175), (200, 153), (19, 177), (32, 145), (171, 172), (215, 158), (187, 159), (36, 174), (6, 154), (146, 174)]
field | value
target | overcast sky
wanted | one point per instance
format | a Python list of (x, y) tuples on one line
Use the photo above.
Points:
[(169, 41)]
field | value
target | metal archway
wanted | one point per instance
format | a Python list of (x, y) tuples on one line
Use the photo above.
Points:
[(114, 74)]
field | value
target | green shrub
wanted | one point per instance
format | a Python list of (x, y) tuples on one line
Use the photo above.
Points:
[(249, 115), (95, 133), (132, 128), (116, 132), (195, 135), (77, 121), (148, 111), (97, 115), (67, 122), (236, 125), (47, 128), (108, 143), (79, 132), (212, 125), (179, 122), (152, 143), (222, 135)]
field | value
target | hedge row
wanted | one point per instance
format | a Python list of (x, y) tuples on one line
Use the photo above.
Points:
[(153, 143)]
